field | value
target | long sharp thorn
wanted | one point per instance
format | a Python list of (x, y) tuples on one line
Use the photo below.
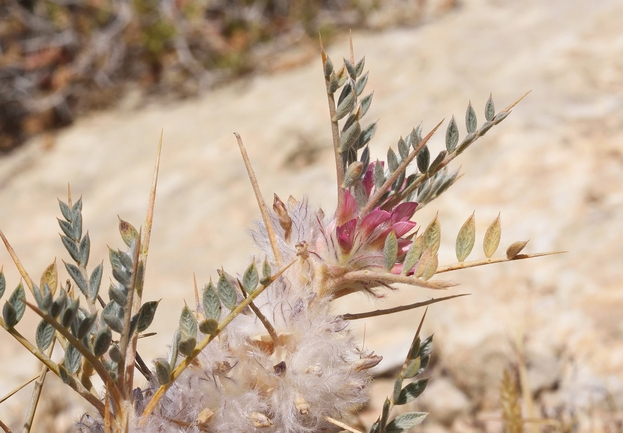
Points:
[(260, 201)]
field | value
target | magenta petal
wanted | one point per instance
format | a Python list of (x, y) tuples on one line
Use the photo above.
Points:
[(404, 211), (345, 234), (349, 209), (373, 220), (402, 228)]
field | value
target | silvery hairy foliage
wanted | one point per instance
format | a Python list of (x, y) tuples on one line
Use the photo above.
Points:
[(263, 350)]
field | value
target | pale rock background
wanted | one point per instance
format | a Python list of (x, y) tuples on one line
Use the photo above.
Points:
[(553, 168)]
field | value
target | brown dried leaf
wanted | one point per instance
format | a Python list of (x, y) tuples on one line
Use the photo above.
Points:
[(431, 268), (285, 221), (515, 248), (50, 277), (492, 237)]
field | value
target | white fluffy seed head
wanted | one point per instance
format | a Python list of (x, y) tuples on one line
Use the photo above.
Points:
[(247, 380)]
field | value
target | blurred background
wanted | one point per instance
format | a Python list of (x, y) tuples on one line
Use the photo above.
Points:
[(87, 86)]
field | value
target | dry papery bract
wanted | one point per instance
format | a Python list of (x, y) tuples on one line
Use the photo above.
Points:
[(262, 349)]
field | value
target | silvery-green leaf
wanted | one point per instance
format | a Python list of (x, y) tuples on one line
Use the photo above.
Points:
[(46, 299), (346, 104), (163, 371), (76, 275), (376, 427), (71, 248), (95, 281), (85, 326), (360, 85), (365, 160), (418, 136), (447, 182), (492, 237), (68, 229), (466, 238), (405, 422), (399, 182), (17, 299), (392, 160), (385, 413), (423, 159), (146, 315), (211, 303), (38, 294), (412, 369), (359, 66), (115, 353), (471, 123), (426, 348), (432, 236), (452, 135), (49, 277), (128, 233), (76, 226), (188, 324), (397, 388), (413, 255), (70, 312), (226, 291), (2, 284), (44, 335), (489, 109), (390, 251), (514, 249), (102, 341), (366, 135), (403, 149), (435, 164), (365, 104), (412, 391), (123, 276), (499, 117), (115, 258), (208, 326), (250, 279), (359, 192), (72, 359), (379, 174), (59, 304), (349, 137), (117, 295), (328, 67), (77, 208), (84, 250), (65, 210), (349, 121), (9, 315), (112, 316), (350, 68)]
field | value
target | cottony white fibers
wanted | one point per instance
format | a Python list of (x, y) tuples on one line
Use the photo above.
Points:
[(245, 381)]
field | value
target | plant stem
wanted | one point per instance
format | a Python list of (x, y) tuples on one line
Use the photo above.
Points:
[(375, 313)]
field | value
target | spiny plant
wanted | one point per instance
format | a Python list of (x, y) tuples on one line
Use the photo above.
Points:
[(262, 348)]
